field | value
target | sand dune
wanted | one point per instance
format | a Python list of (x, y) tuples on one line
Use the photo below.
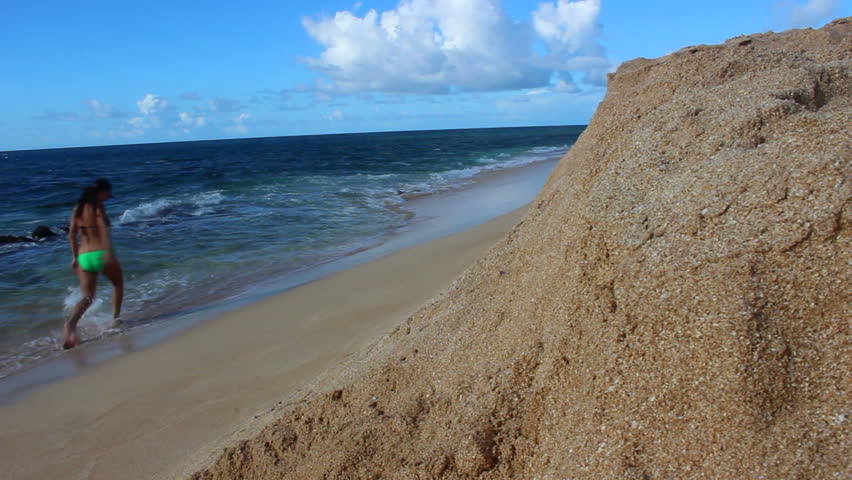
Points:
[(676, 304)]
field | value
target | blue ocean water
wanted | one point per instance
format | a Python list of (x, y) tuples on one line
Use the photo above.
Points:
[(198, 222)]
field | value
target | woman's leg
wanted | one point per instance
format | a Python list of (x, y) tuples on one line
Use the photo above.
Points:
[(88, 283), (112, 270)]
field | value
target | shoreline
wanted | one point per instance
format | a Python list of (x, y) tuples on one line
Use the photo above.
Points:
[(182, 396), (423, 225)]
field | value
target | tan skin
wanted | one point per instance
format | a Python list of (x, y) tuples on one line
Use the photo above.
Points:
[(88, 233)]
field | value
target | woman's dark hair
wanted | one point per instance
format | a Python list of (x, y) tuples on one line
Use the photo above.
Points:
[(103, 185), (90, 195)]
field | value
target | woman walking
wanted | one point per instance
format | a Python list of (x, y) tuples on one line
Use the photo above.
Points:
[(92, 253)]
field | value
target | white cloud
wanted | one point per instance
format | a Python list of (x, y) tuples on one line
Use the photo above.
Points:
[(152, 104), (571, 32), (563, 86), (157, 114), (551, 94), (151, 107), (336, 115), (569, 26), (188, 121), (559, 85), (443, 46), (102, 110), (193, 119), (238, 125), (136, 126), (812, 12)]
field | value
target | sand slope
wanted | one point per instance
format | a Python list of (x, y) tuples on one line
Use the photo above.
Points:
[(675, 305)]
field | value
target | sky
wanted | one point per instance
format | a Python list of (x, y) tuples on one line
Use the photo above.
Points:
[(105, 72)]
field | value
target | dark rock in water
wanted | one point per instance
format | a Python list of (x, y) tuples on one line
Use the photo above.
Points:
[(43, 231), (14, 239)]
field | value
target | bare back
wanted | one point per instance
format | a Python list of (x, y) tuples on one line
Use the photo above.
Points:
[(93, 228)]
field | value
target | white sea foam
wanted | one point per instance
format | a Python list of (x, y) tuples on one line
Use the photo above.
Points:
[(156, 288), (145, 210), (98, 317), (377, 175), (96, 322), (202, 211), (462, 173), (207, 198), (194, 205), (28, 352), (11, 247), (442, 180), (559, 149)]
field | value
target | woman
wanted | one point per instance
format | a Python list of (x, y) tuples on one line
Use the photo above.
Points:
[(91, 253)]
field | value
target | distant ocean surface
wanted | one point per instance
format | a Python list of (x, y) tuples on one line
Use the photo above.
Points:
[(197, 222)]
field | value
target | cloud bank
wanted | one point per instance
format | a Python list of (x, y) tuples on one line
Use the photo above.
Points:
[(812, 12), (447, 46), (97, 110), (157, 112), (238, 124)]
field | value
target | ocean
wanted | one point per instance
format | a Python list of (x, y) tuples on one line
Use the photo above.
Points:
[(196, 223)]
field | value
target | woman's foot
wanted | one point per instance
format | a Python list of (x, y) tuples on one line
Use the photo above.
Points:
[(70, 335)]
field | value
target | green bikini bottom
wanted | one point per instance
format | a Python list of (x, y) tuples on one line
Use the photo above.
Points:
[(92, 261)]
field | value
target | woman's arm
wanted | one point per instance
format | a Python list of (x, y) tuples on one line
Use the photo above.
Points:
[(103, 227), (72, 238)]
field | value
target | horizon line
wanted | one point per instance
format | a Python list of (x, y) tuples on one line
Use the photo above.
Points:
[(279, 136)]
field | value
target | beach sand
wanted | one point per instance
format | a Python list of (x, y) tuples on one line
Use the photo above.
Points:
[(145, 414)]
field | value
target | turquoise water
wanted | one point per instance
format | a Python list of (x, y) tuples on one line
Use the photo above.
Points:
[(199, 222)]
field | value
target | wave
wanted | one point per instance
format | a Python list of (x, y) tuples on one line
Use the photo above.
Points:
[(163, 209), (96, 323), (559, 149), (27, 353), (501, 161), (390, 188), (448, 179), (98, 317), (14, 247)]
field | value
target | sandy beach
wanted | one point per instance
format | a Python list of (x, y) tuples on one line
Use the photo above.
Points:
[(674, 305), (163, 409)]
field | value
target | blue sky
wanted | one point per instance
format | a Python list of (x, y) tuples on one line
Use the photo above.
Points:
[(101, 73)]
